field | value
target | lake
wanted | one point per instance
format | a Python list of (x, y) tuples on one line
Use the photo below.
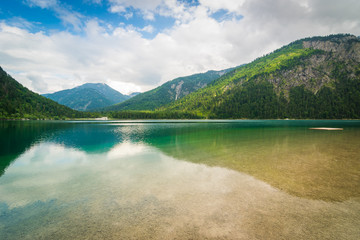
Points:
[(271, 179)]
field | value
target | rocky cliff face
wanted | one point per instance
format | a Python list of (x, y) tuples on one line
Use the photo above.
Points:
[(338, 54), (344, 48), (178, 90)]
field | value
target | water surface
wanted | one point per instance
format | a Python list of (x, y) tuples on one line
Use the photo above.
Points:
[(179, 179)]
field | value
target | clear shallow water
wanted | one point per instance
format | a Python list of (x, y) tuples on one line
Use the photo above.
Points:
[(179, 179)]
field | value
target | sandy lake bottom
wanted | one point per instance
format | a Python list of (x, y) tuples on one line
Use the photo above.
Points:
[(181, 181)]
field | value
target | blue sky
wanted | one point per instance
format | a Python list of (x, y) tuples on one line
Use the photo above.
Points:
[(44, 15), (41, 16), (136, 45)]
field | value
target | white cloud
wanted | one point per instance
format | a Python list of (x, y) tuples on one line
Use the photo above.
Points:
[(148, 9), (117, 9), (99, 2), (148, 15), (41, 3), (148, 29), (37, 81), (138, 4), (230, 5), (69, 18), (20, 23), (123, 58), (128, 15)]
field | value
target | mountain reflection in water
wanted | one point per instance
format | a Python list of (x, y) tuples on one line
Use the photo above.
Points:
[(159, 180)]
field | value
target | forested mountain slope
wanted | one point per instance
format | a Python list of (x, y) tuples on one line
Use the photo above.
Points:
[(88, 96), (169, 92), (315, 77), (16, 101)]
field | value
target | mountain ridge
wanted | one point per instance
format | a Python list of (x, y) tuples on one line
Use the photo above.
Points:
[(87, 97), (168, 92), (269, 86), (16, 101)]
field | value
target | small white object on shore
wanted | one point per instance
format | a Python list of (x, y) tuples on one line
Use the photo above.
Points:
[(102, 118)]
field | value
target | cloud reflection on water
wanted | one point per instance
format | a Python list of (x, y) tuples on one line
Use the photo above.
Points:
[(141, 187)]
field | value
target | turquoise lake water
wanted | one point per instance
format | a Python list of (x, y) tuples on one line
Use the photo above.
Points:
[(261, 179)]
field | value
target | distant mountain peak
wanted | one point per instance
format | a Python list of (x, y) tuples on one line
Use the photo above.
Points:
[(88, 96), (94, 85)]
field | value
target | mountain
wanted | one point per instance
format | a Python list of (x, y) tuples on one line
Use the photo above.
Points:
[(102, 88), (88, 96), (315, 77), (133, 94), (168, 92), (16, 101)]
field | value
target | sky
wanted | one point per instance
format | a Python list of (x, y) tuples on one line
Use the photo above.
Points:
[(137, 45)]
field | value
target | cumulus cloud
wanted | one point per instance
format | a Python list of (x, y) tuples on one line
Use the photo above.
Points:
[(117, 9), (120, 56), (38, 82)]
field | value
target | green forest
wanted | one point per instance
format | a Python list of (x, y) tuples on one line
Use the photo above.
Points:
[(17, 102), (260, 101)]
